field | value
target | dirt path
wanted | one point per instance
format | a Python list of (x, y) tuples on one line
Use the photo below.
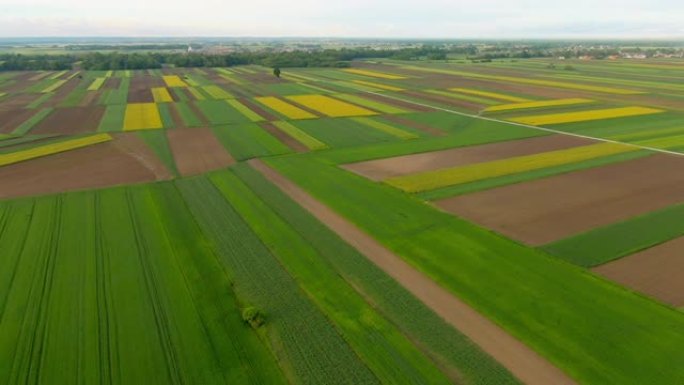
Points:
[(524, 363)]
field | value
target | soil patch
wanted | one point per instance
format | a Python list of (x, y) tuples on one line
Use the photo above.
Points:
[(125, 160), (197, 150), (549, 209), (72, 120), (656, 272)]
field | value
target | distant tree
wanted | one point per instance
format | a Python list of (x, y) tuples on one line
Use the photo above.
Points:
[(253, 317), (276, 71)]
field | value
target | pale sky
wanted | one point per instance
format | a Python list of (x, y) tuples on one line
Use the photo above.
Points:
[(346, 18)]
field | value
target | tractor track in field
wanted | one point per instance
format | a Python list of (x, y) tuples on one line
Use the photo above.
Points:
[(523, 362)]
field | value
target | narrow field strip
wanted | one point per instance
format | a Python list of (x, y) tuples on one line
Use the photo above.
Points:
[(378, 85), (53, 86), (174, 81), (161, 95), (26, 126), (394, 131), (329, 106), (490, 94), (524, 363), (197, 93), (512, 79), (372, 104), (392, 358), (52, 148), (431, 180), (466, 97), (217, 92), (583, 116), (57, 75), (288, 110), (141, 116), (374, 74), (539, 104), (96, 84), (244, 110), (608, 243), (302, 137)]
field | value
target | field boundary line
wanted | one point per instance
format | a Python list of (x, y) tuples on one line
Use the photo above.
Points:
[(523, 362), (664, 151)]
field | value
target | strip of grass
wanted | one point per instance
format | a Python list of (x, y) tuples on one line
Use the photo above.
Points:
[(442, 342), (188, 115), (25, 127), (384, 127), (159, 143), (614, 241), (343, 132), (165, 114), (219, 112), (594, 330), (248, 141), (113, 118), (302, 137), (318, 356), (42, 99), (378, 106), (389, 354), (244, 110)]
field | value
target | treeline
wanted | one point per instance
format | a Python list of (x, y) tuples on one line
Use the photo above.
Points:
[(129, 47), (283, 59)]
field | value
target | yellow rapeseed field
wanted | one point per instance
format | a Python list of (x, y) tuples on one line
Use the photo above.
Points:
[(53, 86), (96, 84), (161, 95), (489, 94), (174, 81), (52, 148), (378, 85), (538, 104), (583, 116), (141, 116), (374, 74), (285, 108), (431, 180), (329, 106)]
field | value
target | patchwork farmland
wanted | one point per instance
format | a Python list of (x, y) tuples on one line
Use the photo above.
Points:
[(388, 223)]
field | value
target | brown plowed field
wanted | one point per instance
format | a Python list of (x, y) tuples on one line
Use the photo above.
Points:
[(73, 120), (140, 90), (523, 362), (656, 272), (125, 160), (16, 101), (549, 209), (197, 150), (11, 119), (409, 164)]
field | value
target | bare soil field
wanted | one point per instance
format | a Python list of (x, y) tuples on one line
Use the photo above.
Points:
[(549, 209), (73, 120), (140, 90), (125, 160), (409, 164), (656, 272), (11, 119), (260, 111), (522, 361), (16, 101), (197, 150)]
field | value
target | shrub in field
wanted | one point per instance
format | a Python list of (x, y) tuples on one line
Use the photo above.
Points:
[(253, 317)]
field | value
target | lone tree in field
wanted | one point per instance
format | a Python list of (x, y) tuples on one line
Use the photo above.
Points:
[(276, 71)]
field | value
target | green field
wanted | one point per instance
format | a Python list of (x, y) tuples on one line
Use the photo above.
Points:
[(126, 270)]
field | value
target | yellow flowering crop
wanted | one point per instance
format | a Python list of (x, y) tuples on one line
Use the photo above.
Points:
[(329, 106), (141, 116), (583, 116), (285, 108)]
